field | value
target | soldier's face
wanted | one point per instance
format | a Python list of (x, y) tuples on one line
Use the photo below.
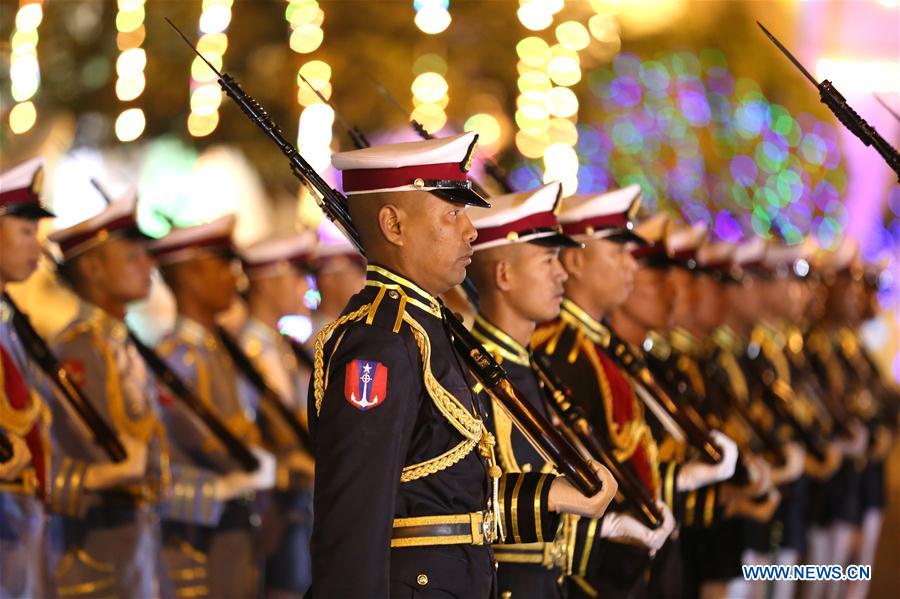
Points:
[(651, 299), (437, 242), (20, 251), (708, 306), (124, 267), (338, 282), (608, 271), (285, 291), (682, 291), (533, 281), (211, 279)]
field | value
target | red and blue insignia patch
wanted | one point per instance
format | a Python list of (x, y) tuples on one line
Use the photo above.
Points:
[(365, 384)]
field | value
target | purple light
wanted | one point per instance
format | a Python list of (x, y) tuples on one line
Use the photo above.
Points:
[(813, 149), (655, 76), (692, 103), (625, 91), (720, 81), (743, 170), (727, 228)]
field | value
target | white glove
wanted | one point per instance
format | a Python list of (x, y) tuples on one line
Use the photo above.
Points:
[(795, 460), (21, 457), (236, 484), (132, 469), (564, 498), (856, 445), (696, 474), (617, 525)]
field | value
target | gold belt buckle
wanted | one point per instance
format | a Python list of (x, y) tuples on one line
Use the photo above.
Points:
[(484, 528)]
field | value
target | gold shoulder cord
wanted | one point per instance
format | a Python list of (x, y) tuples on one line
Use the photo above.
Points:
[(470, 427)]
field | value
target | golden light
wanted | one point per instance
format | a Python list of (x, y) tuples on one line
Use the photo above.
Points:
[(299, 13), (131, 62), (604, 28), (215, 18), (565, 67), (533, 51), (22, 117), (432, 19), (430, 62), (561, 164), (531, 121), (860, 76), (562, 131), (314, 134), (201, 72), (533, 15), (561, 102), (573, 35), (202, 125), (317, 72), (129, 5), (307, 97), (432, 117), (487, 127), (213, 44), (24, 42), (126, 40), (129, 21), (29, 17), (534, 81), (130, 124), (531, 145), (306, 38), (129, 88), (25, 84), (206, 99), (429, 87)]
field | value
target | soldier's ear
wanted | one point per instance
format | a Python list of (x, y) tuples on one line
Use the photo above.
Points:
[(502, 274), (573, 261), (391, 222)]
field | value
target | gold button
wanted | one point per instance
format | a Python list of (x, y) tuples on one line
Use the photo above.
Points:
[(506, 595), (393, 294), (526, 468), (422, 579), (420, 183)]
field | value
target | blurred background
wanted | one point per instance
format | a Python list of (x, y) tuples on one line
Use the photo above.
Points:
[(688, 99)]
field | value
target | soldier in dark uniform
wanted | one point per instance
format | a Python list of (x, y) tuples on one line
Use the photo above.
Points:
[(340, 273), (613, 554), (198, 265), (519, 281), (408, 494), (277, 271)]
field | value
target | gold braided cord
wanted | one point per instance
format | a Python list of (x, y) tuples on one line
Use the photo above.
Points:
[(319, 357)]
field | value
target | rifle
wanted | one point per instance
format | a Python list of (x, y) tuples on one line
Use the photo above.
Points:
[(778, 396), (267, 395), (685, 416), (837, 104), (39, 351), (235, 447), (576, 426), (549, 442)]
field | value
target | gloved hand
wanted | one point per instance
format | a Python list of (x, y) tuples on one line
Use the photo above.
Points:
[(617, 525), (104, 476), (795, 458), (564, 498), (760, 475), (21, 457), (696, 474), (236, 484)]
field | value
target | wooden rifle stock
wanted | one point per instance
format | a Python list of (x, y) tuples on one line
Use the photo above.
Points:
[(233, 445), (267, 395), (576, 425), (39, 351)]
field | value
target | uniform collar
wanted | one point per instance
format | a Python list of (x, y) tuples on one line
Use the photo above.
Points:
[(575, 315), (656, 345), (5, 310), (506, 346), (106, 323), (726, 338), (193, 332), (401, 288), (684, 341)]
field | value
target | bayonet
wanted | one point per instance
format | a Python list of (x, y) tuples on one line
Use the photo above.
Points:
[(837, 103)]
